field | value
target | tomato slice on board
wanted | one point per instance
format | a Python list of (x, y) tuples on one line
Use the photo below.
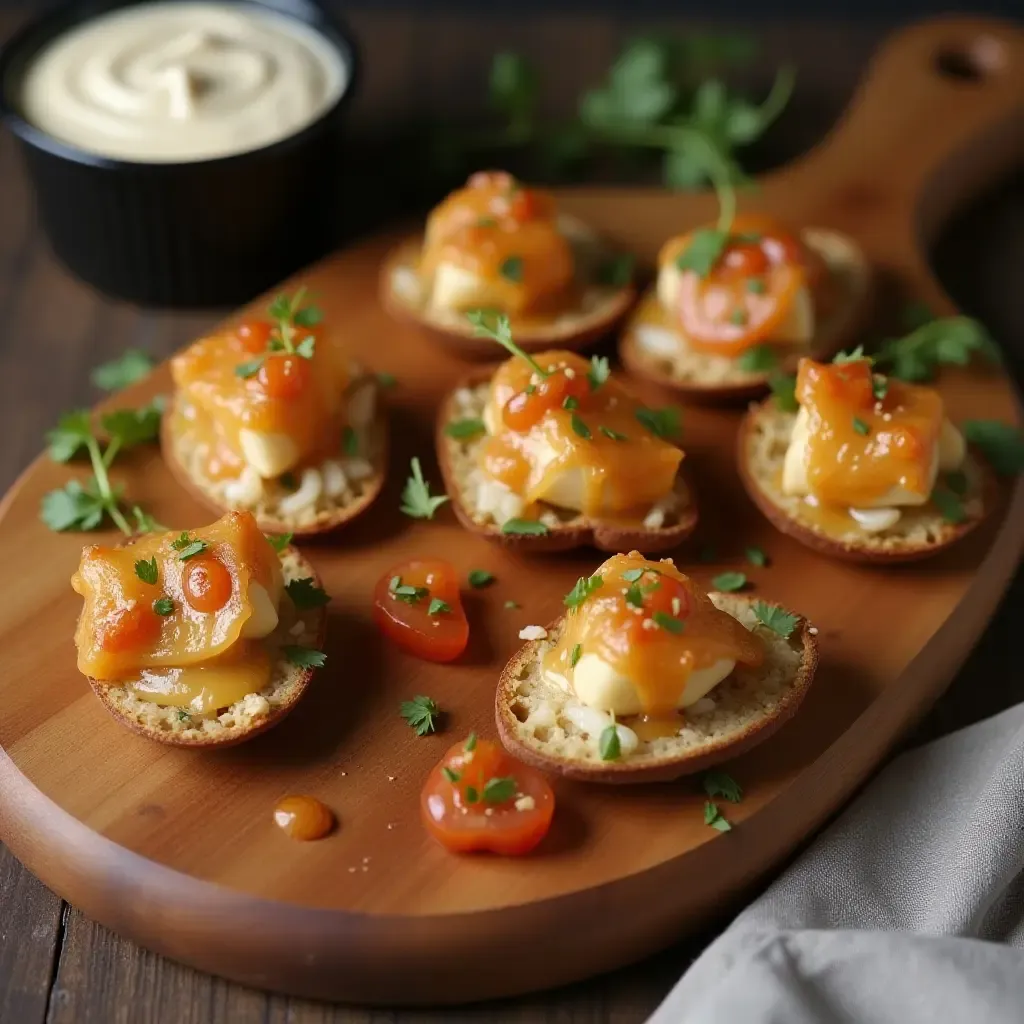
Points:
[(402, 603), (479, 798)]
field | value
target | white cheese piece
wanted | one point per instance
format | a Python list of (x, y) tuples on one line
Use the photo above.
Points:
[(456, 288), (264, 618), (497, 501), (308, 494), (270, 454), (875, 520), (658, 341), (525, 803), (599, 686), (246, 490), (335, 483), (594, 722)]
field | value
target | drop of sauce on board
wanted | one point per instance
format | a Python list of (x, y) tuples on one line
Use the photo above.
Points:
[(304, 818)]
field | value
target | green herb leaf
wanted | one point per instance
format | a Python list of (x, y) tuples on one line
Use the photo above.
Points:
[(756, 286), (599, 371), (949, 341), (250, 367), (783, 387), (197, 547), (304, 657), (530, 527), (667, 622), (758, 359), (386, 380), (423, 716), (163, 606), (72, 433), (131, 366), (144, 522), (129, 427), (146, 570), (585, 587), (613, 435), (306, 347), (756, 556), (632, 575), (879, 386), (450, 775), (608, 744), (510, 604), (719, 783), (776, 619), (579, 427), (1001, 444), (500, 791), (511, 269), (306, 594), (634, 596), (417, 501), (472, 796), (861, 427), (308, 316), (480, 578), (279, 541), (463, 428), (729, 582), (574, 657), (853, 356), (489, 324), (713, 817), (470, 744), (705, 248), (570, 402), (949, 505), (72, 507), (616, 271), (663, 422), (406, 592), (438, 607)]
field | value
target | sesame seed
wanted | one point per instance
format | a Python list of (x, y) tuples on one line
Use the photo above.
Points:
[(648, 624), (391, 778), (813, 630), (570, 372), (675, 606)]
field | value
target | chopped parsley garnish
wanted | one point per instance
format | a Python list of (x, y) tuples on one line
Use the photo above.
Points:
[(423, 715), (577, 653), (249, 368), (613, 435), (131, 366), (585, 586), (729, 581), (469, 427), (599, 371), (579, 427), (512, 269), (756, 286), (570, 402), (500, 790), (634, 596), (608, 744), (758, 359), (719, 783), (480, 578), (417, 501), (663, 422), (738, 316), (306, 594), (196, 547), (450, 775), (949, 505), (438, 607), (304, 657), (667, 622), (879, 386), (470, 744), (146, 570), (163, 606), (531, 527), (279, 541), (948, 341), (1001, 444), (853, 356), (861, 427), (405, 592), (776, 619), (350, 442), (713, 817), (756, 556), (632, 575), (291, 319)]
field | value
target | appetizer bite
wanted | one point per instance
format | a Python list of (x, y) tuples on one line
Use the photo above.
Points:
[(479, 799), (551, 452), (861, 466), (202, 638), (497, 244), (646, 677), (733, 305), (271, 416)]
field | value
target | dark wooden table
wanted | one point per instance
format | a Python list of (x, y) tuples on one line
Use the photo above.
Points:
[(57, 966)]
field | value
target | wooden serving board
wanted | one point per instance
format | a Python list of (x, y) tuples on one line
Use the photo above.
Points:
[(178, 850)]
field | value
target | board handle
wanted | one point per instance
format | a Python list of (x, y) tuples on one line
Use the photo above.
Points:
[(938, 117)]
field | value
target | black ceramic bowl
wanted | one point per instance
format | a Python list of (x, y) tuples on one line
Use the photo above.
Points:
[(205, 233)]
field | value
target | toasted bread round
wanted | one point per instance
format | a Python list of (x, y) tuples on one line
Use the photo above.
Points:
[(742, 711), (705, 377), (920, 532), (600, 310), (256, 712), (663, 529), (269, 500)]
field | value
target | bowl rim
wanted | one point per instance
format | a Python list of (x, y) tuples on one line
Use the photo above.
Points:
[(49, 24)]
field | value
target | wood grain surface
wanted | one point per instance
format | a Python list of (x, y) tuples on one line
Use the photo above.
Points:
[(70, 335)]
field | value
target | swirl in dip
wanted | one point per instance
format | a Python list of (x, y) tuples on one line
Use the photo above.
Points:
[(181, 82)]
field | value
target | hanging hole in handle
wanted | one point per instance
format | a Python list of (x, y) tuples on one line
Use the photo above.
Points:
[(972, 62)]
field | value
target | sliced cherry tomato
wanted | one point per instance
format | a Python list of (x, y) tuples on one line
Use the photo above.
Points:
[(284, 376), (402, 603), (254, 335), (129, 629), (527, 408), (207, 584), (479, 798), (661, 594)]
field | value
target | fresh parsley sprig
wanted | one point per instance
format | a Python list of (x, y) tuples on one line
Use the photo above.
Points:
[(488, 323), (292, 317), (132, 365), (417, 501), (942, 341), (422, 713)]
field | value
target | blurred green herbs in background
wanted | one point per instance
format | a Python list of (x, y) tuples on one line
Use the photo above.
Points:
[(663, 104)]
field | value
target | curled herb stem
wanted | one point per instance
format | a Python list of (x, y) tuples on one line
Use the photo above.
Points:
[(100, 463)]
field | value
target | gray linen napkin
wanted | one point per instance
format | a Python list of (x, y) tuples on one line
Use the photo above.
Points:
[(896, 913)]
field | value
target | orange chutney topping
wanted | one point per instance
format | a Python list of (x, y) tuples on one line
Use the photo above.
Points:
[(653, 626), (750, 291), (285, 394), (120, 631), (506, 234), (859, 446), (625, 466)]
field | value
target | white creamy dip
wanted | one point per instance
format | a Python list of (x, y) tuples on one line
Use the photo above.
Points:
[(178, 82)]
